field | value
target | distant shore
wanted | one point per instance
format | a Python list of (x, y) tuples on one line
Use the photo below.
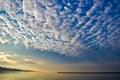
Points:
[(88, 72), (4, 69)]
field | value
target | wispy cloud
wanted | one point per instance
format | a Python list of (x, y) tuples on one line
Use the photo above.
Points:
[(17, 59), (4, 58)]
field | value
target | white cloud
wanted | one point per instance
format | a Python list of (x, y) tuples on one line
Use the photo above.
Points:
[(10, 58), (2, 40), (45, 25), (4, 58)]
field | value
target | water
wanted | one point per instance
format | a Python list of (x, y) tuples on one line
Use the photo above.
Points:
[(55, 76)]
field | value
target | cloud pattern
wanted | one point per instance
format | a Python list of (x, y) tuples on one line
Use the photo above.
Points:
[(64, 26)]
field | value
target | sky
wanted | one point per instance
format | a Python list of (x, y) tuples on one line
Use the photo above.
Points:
[(60, 35)]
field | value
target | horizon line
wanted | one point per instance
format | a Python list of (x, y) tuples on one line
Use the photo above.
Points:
[(88, 72)]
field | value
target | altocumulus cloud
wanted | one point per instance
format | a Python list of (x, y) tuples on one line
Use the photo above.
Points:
[(64, 26)]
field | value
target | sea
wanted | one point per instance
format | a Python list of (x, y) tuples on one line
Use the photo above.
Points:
[(56, 76)]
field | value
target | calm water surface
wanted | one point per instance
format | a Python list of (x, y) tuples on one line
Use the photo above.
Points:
[(55, 76)]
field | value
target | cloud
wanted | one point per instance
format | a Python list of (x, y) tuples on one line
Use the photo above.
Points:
[(17, 59), (66, 27), (3, 41), (4, 58)]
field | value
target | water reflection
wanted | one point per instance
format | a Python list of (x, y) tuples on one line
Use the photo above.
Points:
[(55, 76)]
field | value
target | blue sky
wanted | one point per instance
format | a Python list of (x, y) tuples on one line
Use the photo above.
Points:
[(60, 32)]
